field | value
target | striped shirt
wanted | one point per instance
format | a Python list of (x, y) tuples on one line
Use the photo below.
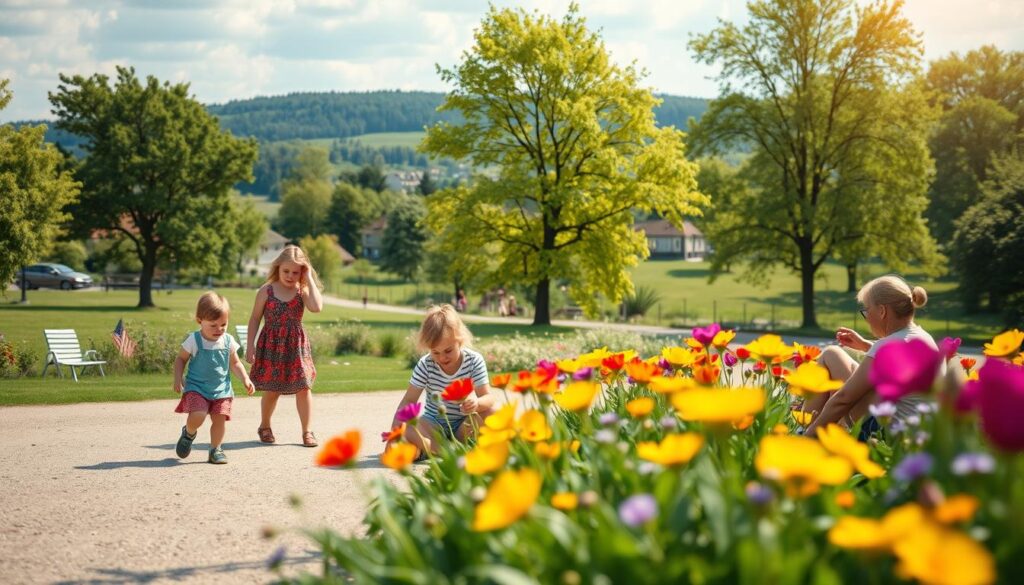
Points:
[(428, 375)]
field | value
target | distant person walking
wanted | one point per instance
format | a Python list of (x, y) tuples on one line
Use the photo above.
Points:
[(282, 360), (512, 309)]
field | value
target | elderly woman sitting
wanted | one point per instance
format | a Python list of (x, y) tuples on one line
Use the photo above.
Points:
[(889, 304)]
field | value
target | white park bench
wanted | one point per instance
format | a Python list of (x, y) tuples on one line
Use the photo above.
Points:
[(242, 332), (63, 349)]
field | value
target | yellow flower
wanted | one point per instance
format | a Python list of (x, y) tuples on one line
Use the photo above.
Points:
[(810, 377), (533, 426), (801, 417), (837, 441), (958, 508), (640, 407), (674, 449), (547, 450), (678, 356), (486, 458), (856, 533), (399, 456), (691, 342), (938, 555), (500, 426), (722, 338), (565, 501), (670, 385), (780, 429), (769, 346), (1017, 361), (571, 365), (1005, 344), (509, 498), (578, 396), (711, 405), (800, 463), (593, 358)]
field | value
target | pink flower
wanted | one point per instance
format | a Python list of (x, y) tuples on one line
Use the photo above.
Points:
[(1001, 404), (967, 399), (706, 335), (729, 359), (904, 367), (949, 346), (409, 412)]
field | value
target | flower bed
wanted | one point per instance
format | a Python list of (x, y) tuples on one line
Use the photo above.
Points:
[(689, 466)]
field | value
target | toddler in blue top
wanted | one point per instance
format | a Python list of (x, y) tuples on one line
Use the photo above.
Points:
[(211, 354)]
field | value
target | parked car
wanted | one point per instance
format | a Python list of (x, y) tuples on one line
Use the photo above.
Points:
[(53, 276)]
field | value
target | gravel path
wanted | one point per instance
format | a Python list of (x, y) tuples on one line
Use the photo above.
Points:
[(93, 493)]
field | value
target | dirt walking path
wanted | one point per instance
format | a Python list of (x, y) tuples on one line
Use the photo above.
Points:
[(94, 493)]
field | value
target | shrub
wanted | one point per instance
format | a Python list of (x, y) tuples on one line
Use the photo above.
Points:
[(390, 343), (17, 359), (643, 299), (352, 337)]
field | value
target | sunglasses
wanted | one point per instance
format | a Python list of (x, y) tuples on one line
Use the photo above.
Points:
[(864, 313)]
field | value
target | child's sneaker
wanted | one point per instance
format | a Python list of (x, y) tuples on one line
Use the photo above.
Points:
[(184, 446), (217, 456)]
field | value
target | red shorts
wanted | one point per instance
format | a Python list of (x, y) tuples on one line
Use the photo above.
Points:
[(196, 402)]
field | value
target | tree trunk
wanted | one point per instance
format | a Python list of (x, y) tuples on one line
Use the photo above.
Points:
[(851, 278), (146, 278), (542, 303), (807, 271)]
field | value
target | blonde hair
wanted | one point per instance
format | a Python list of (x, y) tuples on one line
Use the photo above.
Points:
[(292, 253), (893, 291), (212, 306), (440, 320)]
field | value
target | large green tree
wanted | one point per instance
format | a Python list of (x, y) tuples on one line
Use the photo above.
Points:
[(575, 149), (33, 192), (401, 248), (306, 195), (823, 94), (158, 168), (249, 226), (350, 210), (982, 97)]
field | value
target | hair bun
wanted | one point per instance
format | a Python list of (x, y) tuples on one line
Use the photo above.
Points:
[(919, 297)]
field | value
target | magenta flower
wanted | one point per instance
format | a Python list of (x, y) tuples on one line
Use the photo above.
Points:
[(729, 359), (967, 399), (549, 368), (1001, 404), (409, 412), (949, 346), (904, 367), (706, 334)]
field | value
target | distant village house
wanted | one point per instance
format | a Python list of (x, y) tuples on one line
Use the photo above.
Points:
[(665, 240)]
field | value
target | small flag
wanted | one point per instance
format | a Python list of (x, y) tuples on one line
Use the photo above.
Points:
[(122, 342)]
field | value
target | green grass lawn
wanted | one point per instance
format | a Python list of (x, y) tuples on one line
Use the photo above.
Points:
[(264, 205), (688, 298), (410, 139)]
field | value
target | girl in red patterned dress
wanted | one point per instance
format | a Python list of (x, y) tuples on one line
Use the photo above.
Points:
[(282, 362)]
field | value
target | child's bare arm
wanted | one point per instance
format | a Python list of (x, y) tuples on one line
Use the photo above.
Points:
[(254, 324), (482, 400), (239, 369), (179, 370), (311, 295)]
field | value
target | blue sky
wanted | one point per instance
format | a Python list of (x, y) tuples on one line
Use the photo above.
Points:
[(235, 49)]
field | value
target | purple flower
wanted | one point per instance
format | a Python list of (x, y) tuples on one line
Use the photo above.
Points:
[(913, 466), (584, 373), (969, 463), (1001, 404), (409, 412), (882, 410), (949, 346), (638, 509), (608, 419), (664, 365), (904, 367), (668, 422), (706, 334), (729, 360), (758, 494)]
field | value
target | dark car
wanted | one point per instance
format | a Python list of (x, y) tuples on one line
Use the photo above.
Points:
[(54, 276)]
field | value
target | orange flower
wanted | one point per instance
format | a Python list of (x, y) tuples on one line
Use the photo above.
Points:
[(743, 423), (399, 456), (564, 501), (395, 433), (339, 450), (958, 508), (501, 380), (642, 371), (458, 390), (967, 363), (845, 499), (547, 450), (807, 353), (640, 407), (706, 375), (524, 381)]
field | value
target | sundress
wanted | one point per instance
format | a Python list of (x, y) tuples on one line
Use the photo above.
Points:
[(283, 359)]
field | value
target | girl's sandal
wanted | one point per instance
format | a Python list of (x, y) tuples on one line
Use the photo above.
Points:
[(266, 435), (309, 439)]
